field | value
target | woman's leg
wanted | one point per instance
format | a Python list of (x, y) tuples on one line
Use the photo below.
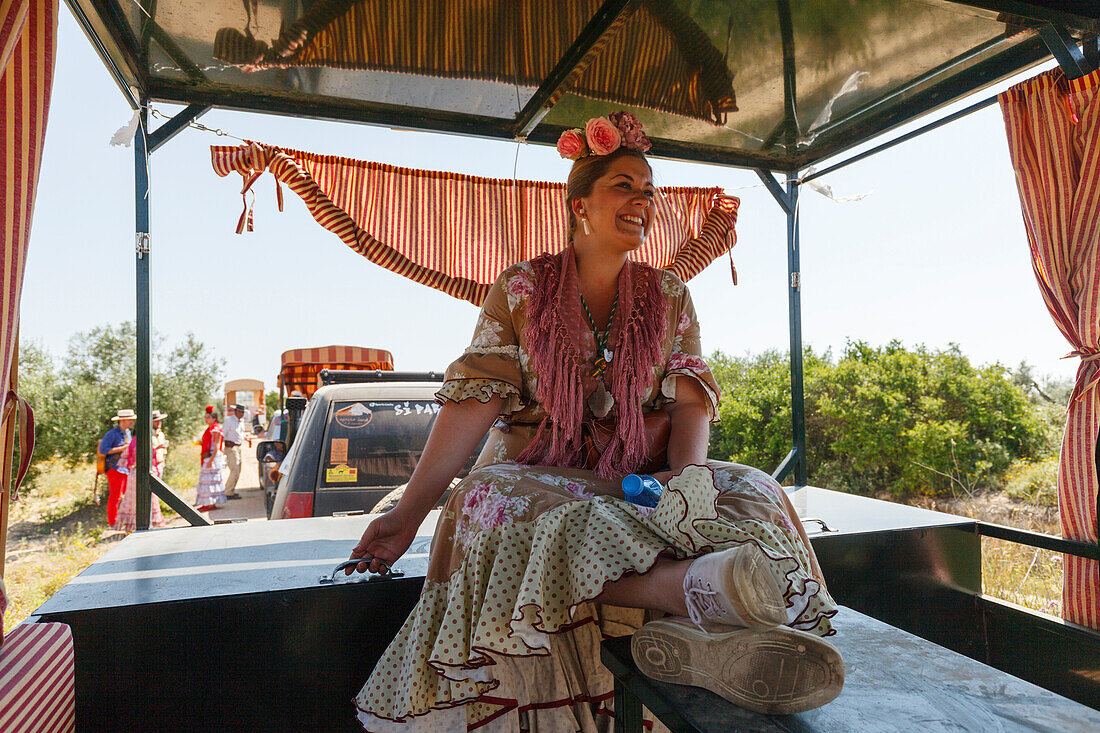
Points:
[(660, 589)]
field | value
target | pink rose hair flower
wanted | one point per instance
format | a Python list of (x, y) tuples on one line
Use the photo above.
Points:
[(571, 145), (603, 137)]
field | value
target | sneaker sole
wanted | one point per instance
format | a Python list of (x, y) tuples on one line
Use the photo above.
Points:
[(757, 593), (776, 671)]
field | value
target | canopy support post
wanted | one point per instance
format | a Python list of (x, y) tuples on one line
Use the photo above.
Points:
[(145, 142), (144, 426), (1065, 49), (788, 200), (798, 398)]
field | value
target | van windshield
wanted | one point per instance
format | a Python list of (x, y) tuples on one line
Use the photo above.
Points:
[(375, 443)]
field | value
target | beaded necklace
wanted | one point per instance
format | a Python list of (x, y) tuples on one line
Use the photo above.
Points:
[(604, 355)]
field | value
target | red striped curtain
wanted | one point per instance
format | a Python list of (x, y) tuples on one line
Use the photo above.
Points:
[(455, 232), (1053, 128), (28, 44)]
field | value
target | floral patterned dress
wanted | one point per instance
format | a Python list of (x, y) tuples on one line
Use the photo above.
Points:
[(506, 634)]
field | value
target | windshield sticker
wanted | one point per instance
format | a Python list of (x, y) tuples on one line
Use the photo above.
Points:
[(338, 450), (417, 408), (355, 416), (340, 475)]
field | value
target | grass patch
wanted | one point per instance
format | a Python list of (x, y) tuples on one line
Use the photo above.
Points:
[(1034, 481), (181, 474), (1023, 575), (36, 568), (57, 529)]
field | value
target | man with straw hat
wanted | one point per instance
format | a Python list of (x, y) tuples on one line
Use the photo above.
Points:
[(112, 445), (233, 429)]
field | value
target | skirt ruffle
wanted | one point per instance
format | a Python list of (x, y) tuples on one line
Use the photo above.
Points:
[(211, 487)]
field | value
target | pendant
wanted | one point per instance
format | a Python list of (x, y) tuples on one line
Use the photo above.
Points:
[(600, 401), (608, 355)]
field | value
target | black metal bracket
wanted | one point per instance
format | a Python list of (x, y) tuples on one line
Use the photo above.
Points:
[(988, 102), (785, 466), (776, 190), (174, 126), (179, 506), (539, 104), (1086, 550), (1064, 48)]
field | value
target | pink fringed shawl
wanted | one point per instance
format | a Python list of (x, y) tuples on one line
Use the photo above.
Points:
[(554, 338)]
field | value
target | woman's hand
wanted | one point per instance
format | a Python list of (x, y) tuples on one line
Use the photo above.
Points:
[(384, 541)]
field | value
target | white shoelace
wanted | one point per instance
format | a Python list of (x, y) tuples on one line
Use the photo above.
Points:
[(701, 603)]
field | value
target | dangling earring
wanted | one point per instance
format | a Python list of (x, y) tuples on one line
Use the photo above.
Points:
[(584, 223)]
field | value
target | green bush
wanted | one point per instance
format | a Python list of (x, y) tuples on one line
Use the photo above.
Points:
[(881, 418)]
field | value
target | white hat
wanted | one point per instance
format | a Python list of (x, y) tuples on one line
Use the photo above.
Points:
[(125, 415)]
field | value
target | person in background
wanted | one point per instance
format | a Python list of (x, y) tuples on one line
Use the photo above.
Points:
[(210, 492), (160, 444), (113, 445), (126, 520), (233, 431)]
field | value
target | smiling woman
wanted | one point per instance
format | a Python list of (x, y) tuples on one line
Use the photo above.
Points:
[(537, 553)]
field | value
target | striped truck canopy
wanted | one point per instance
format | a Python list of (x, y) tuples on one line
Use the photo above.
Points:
[(301, 367)]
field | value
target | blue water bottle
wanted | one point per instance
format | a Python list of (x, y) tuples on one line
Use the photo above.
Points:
[(642, 490)]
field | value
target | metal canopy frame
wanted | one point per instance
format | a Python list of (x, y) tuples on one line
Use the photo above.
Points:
[(130, 72)]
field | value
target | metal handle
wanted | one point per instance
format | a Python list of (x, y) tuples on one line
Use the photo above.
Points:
[(330, 580), (824, 527)]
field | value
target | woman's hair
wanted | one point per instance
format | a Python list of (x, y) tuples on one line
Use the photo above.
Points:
[(584, 174)]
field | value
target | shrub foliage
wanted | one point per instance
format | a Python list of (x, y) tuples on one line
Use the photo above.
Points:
[(881, 418)]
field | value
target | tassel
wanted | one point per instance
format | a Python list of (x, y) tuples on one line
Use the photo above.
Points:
[(245, 222)]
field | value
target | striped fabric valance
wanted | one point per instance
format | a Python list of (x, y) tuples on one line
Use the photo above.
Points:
[(654, 56), (456, 233), (1053, 126)]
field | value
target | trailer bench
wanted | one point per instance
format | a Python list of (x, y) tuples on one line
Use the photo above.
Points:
[(895, 681)]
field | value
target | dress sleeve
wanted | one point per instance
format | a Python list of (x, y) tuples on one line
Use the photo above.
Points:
[(686, 360), (491, 363)]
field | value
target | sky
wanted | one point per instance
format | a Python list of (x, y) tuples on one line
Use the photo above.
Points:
[(936, 254)]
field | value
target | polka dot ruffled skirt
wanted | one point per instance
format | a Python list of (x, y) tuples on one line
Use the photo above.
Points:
[(506, 635)]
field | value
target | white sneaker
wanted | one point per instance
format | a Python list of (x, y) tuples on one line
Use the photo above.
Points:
[(776, 671), (740, 586)]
